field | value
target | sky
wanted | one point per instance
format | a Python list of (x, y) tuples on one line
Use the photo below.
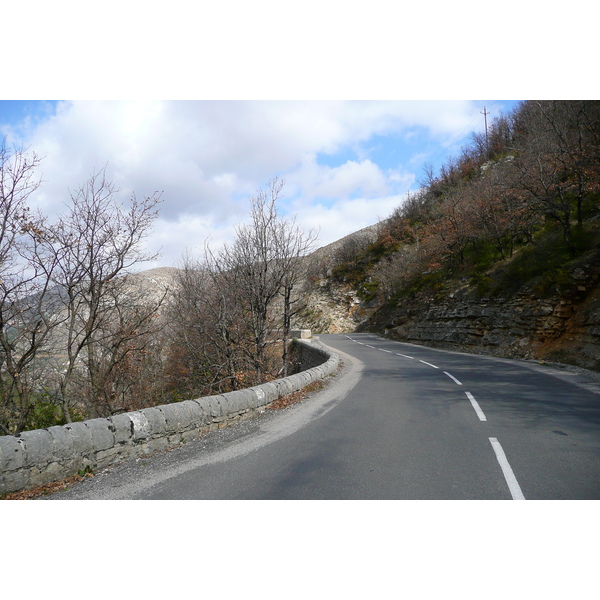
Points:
[(345, 164)]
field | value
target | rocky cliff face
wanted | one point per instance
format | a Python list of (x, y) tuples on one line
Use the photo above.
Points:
[(330, 309), (523, 326), (561, 328)]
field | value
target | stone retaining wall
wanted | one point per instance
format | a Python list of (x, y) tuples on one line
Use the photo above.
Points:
[(34, 458)]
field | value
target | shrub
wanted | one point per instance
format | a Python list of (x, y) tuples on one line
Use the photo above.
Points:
[(45, 414)]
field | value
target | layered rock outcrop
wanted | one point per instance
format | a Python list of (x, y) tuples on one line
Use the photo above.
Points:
[(525, 326)]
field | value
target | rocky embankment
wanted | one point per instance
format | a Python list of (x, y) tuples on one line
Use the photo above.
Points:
[(330, 309), (524, 326), (563, 328)]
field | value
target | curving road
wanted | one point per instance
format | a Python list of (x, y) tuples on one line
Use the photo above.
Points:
[(399, 422)]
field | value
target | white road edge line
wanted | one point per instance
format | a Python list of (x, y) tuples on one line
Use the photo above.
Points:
[(405, 356), (453, 378), (476, 406), (426, 363), (511, 480)]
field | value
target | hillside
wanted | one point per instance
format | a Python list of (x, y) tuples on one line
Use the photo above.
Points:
[(499, 253), (536, 319), (561, 326)]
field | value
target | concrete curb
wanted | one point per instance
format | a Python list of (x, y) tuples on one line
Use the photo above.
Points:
[(41, 456)]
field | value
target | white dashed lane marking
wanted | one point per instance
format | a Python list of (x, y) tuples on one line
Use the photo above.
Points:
[(426, 363), (511, 480), (453, 378), (476, 406)]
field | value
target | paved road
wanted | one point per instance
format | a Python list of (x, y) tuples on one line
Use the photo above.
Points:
[(400, 422)]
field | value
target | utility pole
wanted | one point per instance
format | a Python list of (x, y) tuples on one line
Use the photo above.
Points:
[(485, 114)]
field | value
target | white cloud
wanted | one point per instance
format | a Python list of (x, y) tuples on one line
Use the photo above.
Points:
[(344, 217), (208, 157), (311, 180), (188, 233)]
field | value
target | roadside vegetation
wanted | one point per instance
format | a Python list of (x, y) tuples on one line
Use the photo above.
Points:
[(79, 339)]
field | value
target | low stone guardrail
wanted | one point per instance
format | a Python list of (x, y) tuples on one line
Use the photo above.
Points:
[(41, 456)]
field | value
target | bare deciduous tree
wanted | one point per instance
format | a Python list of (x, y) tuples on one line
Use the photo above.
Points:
[(556, 158), (25, 273), (262, 264), (209, 345), (293, 246), (96, 244)]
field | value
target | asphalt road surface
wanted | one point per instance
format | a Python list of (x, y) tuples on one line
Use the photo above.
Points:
[(398, 421)]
